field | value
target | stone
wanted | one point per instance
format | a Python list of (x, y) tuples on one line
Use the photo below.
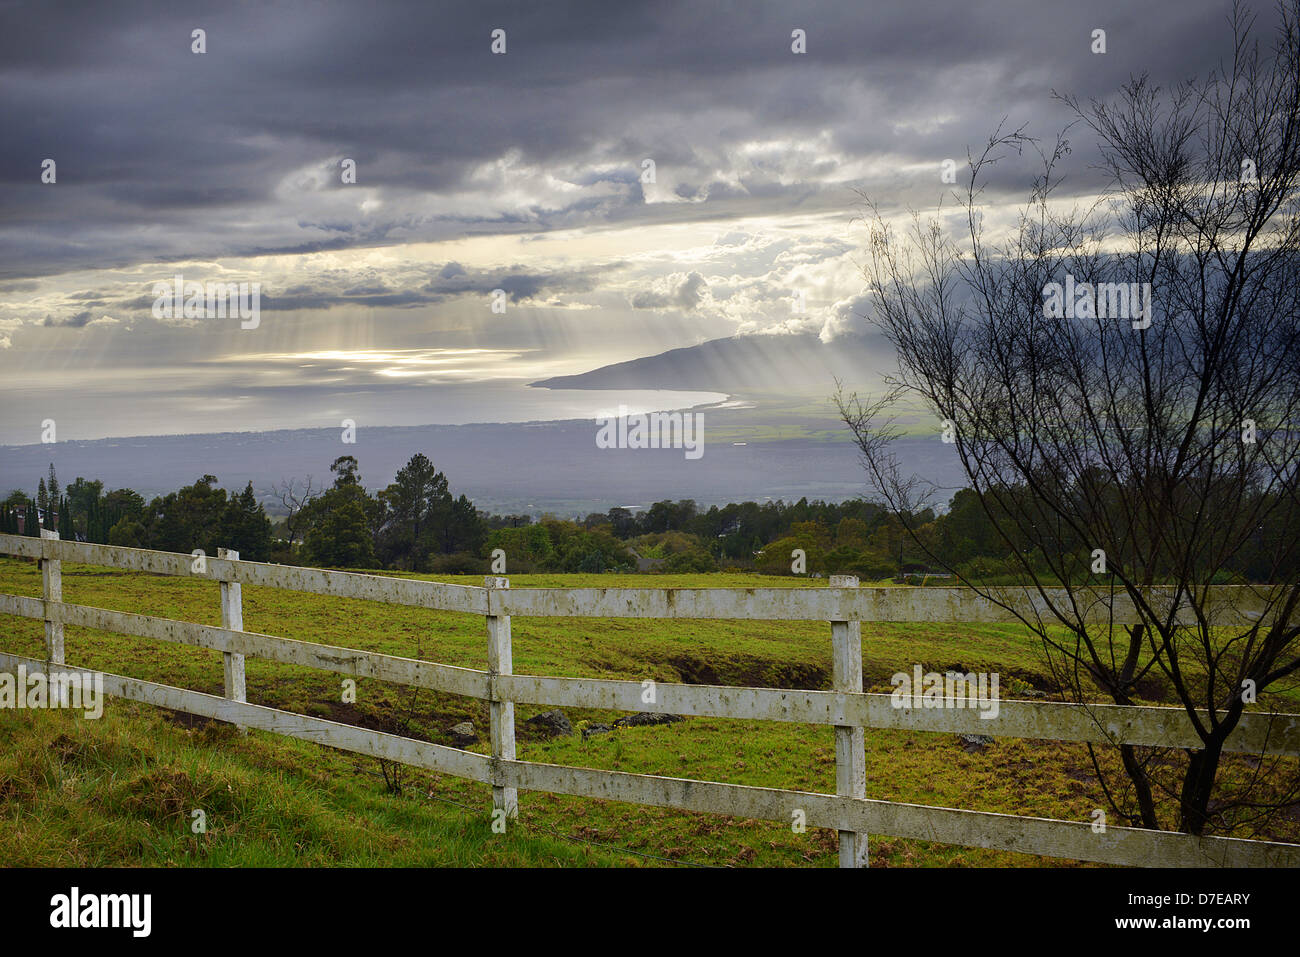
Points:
[(591, 729), (975, 742), (646, 717), (463, 734), (554, 722)]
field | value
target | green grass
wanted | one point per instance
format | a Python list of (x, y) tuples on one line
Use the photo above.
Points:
[(122, 791), (119, 799)]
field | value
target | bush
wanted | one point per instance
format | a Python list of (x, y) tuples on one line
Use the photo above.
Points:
[(593, 563), (458, 563), (871, 569), (577, 550), (128, 533), (776, 559), (665, 544), (841, 559), (526, 546), (696, 560), (1226, 576), (282, 554)]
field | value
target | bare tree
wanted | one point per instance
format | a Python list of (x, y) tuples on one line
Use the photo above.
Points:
[(1130, 431), (294, 500)]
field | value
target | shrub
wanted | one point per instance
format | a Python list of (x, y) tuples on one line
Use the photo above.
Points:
[(458, 563), (695, 560)]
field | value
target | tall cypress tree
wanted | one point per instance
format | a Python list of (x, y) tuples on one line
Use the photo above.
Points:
[(53, 487)]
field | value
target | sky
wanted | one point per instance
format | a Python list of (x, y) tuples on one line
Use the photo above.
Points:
[(523, 171)]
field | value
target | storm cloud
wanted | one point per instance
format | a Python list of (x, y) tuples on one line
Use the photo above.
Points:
[(633, 176)]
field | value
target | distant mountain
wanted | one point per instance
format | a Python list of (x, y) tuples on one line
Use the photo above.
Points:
[(532, 467), (763, 448), (759, 363)]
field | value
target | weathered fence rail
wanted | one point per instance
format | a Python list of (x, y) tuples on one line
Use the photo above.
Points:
[(846, 708)]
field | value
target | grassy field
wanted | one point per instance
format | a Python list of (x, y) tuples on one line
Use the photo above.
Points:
[(120, 790)]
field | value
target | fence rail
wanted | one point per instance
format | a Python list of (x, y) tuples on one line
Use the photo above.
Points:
[(846, 708), (1232, 604)]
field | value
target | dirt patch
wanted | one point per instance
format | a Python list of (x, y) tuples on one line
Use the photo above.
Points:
[(183, 719), (1036, 680), (798, 675), (750, 672), (694, 671), (1155, 688), (381, 718), (69, 750)]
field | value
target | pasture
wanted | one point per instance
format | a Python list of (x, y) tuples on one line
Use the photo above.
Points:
[(120, 791)]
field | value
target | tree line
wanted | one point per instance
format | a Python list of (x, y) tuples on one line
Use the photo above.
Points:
[(416, 523)]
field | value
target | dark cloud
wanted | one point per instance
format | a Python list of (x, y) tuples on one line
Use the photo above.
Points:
[(518, 283), (164, 154), (76, 321), (527, 168)]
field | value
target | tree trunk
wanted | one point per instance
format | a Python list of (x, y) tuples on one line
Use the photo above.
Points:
[(1198, 786), (1141, 786)]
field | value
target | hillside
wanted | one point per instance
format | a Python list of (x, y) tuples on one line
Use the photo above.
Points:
[(745, 364)]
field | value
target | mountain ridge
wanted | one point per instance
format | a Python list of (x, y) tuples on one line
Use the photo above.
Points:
[(738, 364)]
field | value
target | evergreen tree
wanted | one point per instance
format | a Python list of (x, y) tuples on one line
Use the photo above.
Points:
[(246, 527), (465, 529), (346, 471), (129, 533), (417, 508), (341, 537), (82, 495), (52, 486), (188, 519), (339, 521)]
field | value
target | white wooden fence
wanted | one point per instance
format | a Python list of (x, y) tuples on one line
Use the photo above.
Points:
[(845, 707)]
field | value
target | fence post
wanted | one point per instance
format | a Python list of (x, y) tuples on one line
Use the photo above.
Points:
[(502, 713), (850, 747), (232, 617), (51, 591)]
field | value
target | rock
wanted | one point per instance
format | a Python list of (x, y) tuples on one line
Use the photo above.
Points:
[(553, 722), (463, 734), (591, 729), (974, 742), (1035, 693), (645, 717)]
